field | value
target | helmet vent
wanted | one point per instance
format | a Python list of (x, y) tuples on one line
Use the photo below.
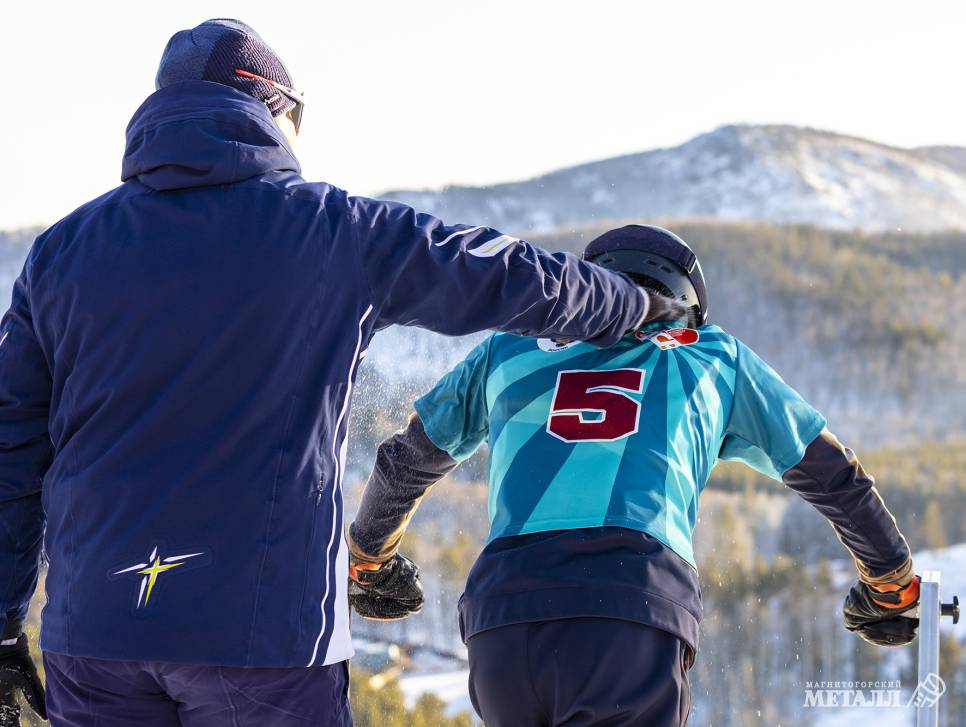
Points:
[(658, 264)]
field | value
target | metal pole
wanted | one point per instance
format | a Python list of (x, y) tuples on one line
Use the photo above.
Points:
[(930, 687)]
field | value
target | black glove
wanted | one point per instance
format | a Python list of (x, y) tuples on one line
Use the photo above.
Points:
[(878, 617), (18, 673), (662, 308), (388, 592)]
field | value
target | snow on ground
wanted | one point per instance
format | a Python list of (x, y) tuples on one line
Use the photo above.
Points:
[(450, 686)]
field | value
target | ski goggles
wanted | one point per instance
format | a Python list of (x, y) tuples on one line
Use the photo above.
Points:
[(299, 109)]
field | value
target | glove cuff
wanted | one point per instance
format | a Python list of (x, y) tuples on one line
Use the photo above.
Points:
[(901, 576), (897, 597), (357, 556), (356, 571)]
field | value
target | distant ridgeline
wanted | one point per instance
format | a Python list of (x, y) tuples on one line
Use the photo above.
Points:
[(780, 174)]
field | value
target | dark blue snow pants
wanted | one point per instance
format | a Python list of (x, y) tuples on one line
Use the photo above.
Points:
[(580, 672), (85, 692)]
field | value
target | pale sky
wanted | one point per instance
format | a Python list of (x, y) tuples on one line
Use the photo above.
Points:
[(423, 93)]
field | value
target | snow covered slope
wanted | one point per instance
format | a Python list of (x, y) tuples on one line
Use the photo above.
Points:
[(951, 562), (771, 173)]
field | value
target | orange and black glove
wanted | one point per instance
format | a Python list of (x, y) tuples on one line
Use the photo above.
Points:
[(882, 614), (387, 591)]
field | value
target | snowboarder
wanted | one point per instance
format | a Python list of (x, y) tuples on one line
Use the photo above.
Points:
[(597, 459), (177, 370)]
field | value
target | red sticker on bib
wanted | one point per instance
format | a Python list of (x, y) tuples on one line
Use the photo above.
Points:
[(675, 337)]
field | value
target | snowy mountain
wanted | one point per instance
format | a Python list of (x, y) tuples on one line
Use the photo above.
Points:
[(782, 174)]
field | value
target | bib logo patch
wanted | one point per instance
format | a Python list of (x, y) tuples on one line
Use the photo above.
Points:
[(674, 338), (555, 345)]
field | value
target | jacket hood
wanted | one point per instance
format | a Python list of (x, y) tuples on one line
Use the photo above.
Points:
[(198, 133)]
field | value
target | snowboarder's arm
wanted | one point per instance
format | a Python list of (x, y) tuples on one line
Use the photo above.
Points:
[(831, 479), (25, 454), (459, 279), (772, 429), (407, 465), (450, 423)]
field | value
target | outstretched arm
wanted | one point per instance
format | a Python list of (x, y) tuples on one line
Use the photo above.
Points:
[(450, 423), (772, 429), (460, 279), (831, 479)]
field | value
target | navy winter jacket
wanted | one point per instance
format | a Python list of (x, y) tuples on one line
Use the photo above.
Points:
[(176, 374)]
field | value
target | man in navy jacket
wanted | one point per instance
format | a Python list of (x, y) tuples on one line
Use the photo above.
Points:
[(177, 370)]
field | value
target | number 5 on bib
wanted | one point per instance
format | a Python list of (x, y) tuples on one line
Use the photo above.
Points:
[(596, 406)]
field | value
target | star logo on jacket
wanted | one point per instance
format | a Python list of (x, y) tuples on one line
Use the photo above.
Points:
[(674, 338), (152, 569)]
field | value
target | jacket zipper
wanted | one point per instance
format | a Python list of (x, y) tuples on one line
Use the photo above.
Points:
[(319, 489)]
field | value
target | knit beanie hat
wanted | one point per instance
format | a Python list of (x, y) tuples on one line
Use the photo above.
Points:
[(214, 50)]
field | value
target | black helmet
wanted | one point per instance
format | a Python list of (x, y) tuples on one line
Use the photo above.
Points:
[(654, 258)]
